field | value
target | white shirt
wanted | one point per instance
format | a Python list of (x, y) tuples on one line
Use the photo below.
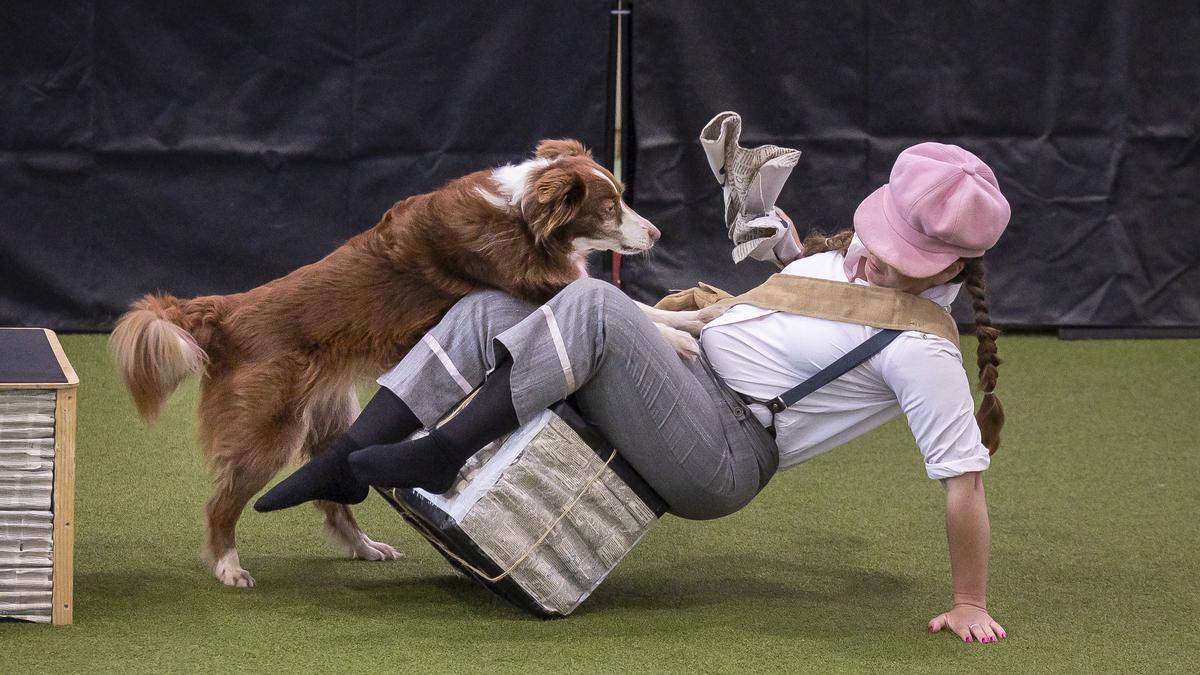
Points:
[(763, 353)]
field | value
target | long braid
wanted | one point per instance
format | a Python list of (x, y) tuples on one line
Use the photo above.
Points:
[(991, 413), (815, 242)]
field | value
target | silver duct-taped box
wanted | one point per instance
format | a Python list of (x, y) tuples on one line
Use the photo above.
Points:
[(540, 516)]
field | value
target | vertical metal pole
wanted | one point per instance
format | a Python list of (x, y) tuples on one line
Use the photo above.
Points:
[(618, 113)]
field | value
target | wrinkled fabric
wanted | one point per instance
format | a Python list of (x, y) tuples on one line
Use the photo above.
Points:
[(208, 148)]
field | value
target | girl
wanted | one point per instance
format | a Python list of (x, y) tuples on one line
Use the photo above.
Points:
[(692, 429)]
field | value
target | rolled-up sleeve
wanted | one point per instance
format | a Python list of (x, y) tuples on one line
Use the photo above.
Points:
[(927, 376)]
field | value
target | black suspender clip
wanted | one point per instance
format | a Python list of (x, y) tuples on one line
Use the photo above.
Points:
[(843, 365)]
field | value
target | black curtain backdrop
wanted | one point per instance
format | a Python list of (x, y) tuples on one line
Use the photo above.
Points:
[(1087, 111), (207, 148), (201, 148)]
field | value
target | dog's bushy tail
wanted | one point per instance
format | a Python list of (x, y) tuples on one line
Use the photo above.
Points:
[(155, 348)]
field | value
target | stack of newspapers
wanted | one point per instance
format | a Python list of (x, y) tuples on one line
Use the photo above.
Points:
[(540, 516)]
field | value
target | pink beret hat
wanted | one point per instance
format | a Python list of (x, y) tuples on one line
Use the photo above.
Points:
[(941, 203)]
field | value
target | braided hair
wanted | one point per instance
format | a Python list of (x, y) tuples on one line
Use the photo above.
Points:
[(990, 415), (815, 242)]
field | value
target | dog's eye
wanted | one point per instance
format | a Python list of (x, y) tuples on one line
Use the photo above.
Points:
[(610, 206)]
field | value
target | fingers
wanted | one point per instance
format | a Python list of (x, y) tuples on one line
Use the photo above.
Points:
[(937, 623), (981, 632)]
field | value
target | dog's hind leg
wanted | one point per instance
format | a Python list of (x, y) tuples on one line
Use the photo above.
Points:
[(235, 486), (341, 525), (329, 420), (246, 445)]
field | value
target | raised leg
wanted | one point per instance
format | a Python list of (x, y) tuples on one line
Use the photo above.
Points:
[(453, 358), (448, 362), (669, 417)]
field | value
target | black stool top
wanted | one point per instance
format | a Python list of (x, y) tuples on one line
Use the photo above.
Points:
[(26, 357)]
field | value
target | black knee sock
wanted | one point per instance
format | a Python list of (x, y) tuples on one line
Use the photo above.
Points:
[(327, 476), (432, 462)]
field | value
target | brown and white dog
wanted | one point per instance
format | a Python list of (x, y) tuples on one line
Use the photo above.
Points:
[(279, 362)]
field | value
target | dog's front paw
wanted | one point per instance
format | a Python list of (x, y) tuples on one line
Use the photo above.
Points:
[(229, 571), (711, 312), (687, 347), (690, 323), (684, 345)]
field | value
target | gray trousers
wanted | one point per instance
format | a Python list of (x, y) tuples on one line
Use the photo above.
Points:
[(674, 421)]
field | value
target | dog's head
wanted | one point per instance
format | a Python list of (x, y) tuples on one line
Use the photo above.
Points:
[(567, 199)]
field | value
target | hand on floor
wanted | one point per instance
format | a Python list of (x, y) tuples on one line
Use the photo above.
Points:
[(971, 623)]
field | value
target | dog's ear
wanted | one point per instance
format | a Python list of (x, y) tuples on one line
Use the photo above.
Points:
[(554, 201), (553, 148)]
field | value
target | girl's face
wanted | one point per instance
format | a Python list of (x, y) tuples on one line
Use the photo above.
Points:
[(884, 275)]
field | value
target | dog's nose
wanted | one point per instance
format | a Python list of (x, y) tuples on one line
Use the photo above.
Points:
[(654, 233)]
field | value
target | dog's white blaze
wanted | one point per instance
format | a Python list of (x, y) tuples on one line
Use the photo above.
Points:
[(492, 198), (600, 173), (634, 230), (513, 179)]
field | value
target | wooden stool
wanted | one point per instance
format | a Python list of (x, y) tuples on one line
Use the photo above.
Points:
[(37, 476)]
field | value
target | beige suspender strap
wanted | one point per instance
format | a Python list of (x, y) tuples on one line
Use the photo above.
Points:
[(851, 303), (832, 300)]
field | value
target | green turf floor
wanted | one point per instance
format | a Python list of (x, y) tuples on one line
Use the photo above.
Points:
[(836, 567)]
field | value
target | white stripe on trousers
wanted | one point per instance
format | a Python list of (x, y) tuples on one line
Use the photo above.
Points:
[(437, 350), (559, 346)]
